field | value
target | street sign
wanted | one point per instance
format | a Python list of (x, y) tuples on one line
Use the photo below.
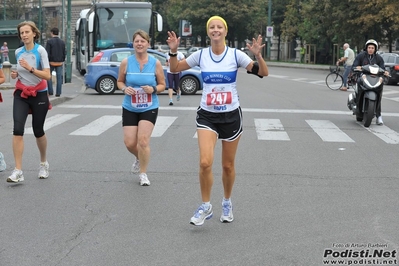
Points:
[(269, 31)]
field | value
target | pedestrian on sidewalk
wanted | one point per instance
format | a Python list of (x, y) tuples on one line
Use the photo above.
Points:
[(4, 52), (30, 96), (56, 51), (219, 115), (140, 78)]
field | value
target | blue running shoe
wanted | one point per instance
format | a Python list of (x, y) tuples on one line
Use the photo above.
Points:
[(178, 96), (3, 165), (201, 214), (227, 212)]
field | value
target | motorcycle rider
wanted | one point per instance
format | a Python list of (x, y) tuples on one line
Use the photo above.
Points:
[(370, 57)]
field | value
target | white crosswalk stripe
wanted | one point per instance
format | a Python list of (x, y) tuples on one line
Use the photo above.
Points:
[(265, 129), (328, 132), (98, 126), (162, 124), (53, 121), (270, 129)]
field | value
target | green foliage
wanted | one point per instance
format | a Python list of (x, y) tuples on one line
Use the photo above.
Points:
[(315, 21)]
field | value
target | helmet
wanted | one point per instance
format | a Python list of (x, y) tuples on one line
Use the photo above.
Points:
[(371, 41)]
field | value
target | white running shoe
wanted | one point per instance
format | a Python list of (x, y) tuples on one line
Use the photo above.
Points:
[(227, 212), (43, 170), (135, 166), (16, 176), (379, 121), (144, 180), (201, 214), (3, 165)]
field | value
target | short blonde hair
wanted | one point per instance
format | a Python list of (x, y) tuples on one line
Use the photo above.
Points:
[(32, 25), (142, 34)]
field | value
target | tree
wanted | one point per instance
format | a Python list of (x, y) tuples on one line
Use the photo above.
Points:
[(14, 9)]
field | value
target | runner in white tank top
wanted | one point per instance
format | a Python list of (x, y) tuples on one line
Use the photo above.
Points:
[(219, 114)]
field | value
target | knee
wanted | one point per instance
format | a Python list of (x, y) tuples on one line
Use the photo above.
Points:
[(143, 142), (130, 144), (228, 167), (38, 133), (205, 164)]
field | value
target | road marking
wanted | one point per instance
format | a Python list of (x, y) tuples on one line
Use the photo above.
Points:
[(98, 126), (387, 92), (270, 129), (328, 132), (385, 133), (53, 121), (250, 110), (162, 124)]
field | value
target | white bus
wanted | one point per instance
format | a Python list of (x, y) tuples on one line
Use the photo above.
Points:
[(111, 25)]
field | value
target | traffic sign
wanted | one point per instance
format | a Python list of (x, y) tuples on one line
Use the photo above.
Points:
[(269, 31)]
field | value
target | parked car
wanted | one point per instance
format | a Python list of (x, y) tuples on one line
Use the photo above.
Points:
[(183, 50), (192, 50), (391, 61), (163, 48), (102, 71)]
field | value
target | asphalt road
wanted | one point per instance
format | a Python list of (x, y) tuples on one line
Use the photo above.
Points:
[(304, 193)]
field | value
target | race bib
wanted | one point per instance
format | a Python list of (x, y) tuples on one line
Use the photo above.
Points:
[(141, 99), (219, 96)]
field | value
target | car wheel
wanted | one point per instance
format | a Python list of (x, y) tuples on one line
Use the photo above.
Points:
[(106, 85), (189, 85)]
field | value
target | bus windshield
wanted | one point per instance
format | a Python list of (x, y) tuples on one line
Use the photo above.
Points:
[(114, 27)]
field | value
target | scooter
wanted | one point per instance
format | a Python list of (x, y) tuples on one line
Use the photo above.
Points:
[(364, 100)]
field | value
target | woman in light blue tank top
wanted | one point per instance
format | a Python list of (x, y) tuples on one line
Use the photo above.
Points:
[(140, 78)]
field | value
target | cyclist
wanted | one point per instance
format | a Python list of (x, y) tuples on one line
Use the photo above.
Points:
[(347, 59), (370, 57)]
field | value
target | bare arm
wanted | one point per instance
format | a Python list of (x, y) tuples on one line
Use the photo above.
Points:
[(256, 49), (175, 65)]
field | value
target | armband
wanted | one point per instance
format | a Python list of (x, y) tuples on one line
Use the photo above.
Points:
[(155, 89), (255, 70)]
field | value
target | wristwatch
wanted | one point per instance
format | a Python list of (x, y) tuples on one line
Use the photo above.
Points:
[(123, 89), (32, 70)]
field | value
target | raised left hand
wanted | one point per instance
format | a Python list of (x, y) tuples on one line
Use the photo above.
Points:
[(256, 47)]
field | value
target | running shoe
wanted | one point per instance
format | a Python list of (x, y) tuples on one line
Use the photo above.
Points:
[(3, 165), (227, 212), (201, 214), (170, 102), (379, 121), (43, 170), (16, 176), (178, 96), (135, 166), (144, 180)]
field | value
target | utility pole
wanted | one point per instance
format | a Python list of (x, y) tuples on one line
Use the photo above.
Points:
[(68, 76), (40, 20), (269, 23)]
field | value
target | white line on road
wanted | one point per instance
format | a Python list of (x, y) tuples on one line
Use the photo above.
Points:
[(98, 126), (328, 132), (270, 129), (385, 133), (53, 121), (250, 110), (162, 124)]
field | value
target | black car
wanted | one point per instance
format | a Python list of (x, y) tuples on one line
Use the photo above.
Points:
[(391, 61)]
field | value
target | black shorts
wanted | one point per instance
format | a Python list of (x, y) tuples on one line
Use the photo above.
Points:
[(133, 118), (228, 126)]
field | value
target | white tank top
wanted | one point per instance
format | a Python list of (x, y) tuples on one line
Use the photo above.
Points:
[(219, 74)]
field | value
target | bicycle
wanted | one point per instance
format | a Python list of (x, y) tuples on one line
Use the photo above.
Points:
[(334, 79)]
